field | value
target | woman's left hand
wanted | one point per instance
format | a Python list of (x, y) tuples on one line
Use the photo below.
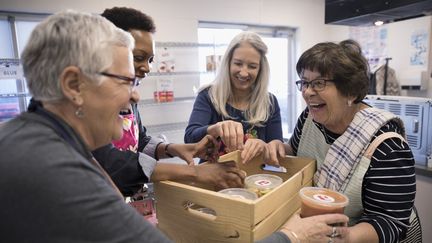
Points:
[(317, 228), (252, 148)]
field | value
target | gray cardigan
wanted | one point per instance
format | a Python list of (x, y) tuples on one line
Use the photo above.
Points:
[(51, 192)]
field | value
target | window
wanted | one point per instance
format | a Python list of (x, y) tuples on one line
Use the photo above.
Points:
[(15, 30), (214, 38), (6, 40)]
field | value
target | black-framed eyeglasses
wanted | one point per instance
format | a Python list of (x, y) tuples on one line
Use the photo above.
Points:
[(317, 84), (135, 81)]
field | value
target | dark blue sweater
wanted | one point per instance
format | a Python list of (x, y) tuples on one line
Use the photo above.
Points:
[(204, 114)]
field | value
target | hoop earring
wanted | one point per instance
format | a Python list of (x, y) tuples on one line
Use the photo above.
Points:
[(79, 113)]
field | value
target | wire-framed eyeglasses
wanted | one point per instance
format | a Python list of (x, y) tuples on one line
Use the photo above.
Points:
[(317, 84), (135, 81)]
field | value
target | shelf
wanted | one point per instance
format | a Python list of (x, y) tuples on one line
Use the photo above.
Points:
[(15, 95), (187, 44), (178, 73), (151, 102)]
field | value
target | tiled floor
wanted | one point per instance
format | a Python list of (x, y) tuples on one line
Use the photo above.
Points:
[(173, 132)]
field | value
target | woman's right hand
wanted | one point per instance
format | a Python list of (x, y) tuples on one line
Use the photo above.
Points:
[(275, 150), (231, 133), (316, 228), (220, 175)]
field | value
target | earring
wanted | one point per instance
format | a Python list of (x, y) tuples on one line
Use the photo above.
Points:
[(350, 103), (79, 113)]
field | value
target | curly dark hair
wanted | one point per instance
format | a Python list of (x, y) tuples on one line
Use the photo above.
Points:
[(343, 62), (129, 18)]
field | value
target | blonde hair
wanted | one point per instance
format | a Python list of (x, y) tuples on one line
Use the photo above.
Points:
[(220, 91)]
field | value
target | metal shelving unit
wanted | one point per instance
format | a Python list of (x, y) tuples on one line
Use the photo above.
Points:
[(153, 74), (150, 102), (187, 44)]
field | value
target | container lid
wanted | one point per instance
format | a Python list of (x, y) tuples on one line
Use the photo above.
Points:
[(239, 193), (323, 196), (263, 181)]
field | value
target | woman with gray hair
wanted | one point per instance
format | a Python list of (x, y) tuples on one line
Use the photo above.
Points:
[(237, 107), (80, 67)]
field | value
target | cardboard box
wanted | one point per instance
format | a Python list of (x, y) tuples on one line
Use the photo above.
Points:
[(235, 220)]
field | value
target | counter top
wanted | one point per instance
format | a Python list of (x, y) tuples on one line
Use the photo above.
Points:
[(423, 170)]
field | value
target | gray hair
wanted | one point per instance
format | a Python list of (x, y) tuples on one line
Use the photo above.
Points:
[(260, 104), (65, 39)]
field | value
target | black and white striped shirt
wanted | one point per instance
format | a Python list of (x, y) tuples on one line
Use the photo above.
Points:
[(389, 185)]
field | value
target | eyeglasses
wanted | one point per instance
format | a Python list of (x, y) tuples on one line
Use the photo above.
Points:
[(133, 81), (317, 84)]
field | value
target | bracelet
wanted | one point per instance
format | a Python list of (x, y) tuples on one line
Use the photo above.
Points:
[(166, 151), (297, 240)]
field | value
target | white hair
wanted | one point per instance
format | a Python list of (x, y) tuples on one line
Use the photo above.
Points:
[(65, 39)]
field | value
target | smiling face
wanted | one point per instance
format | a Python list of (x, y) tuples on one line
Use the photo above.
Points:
[(327, 107), (143, 52), (103, 103), (143, 55), (244, 68)]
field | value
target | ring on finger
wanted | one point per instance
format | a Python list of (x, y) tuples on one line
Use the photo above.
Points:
[(334, 233)]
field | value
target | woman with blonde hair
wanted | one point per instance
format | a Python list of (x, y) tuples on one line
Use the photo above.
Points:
[(237, 107)]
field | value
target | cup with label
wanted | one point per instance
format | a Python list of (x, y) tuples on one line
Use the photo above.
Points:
[(317, 200)]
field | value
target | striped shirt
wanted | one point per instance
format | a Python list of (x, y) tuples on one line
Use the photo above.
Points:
[(389, 185)]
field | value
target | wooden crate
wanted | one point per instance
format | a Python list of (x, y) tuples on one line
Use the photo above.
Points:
[(236, 220)]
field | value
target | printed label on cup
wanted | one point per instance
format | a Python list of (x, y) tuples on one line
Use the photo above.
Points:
[(263, 183), (323, 198)]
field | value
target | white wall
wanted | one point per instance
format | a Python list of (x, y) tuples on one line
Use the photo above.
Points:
[(177, 20), (400, 50)]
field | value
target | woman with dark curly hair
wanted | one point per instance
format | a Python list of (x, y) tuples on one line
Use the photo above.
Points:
[(360, 150)]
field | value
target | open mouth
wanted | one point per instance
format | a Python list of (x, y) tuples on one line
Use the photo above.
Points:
[(125, 112), (243, 79), (316, 106), (141, 75)]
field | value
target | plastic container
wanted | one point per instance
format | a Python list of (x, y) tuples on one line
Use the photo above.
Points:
[(317, 200), (261, 184), (239, 193)]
